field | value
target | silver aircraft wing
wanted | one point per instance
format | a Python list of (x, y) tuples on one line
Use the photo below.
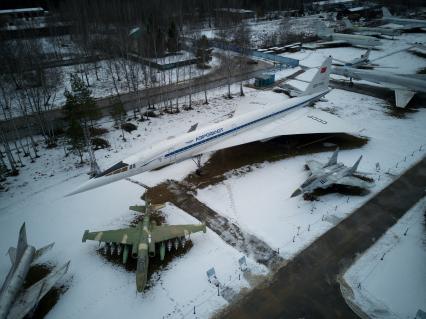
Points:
[(302, 121), (353, 182), (30, 297)]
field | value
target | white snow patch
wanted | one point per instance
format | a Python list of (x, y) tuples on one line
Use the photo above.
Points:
[(395, 286)]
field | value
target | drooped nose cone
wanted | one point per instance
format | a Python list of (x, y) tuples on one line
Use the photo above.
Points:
[(297, 192), (108, 176)]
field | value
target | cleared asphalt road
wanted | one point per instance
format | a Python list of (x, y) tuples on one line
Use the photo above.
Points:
[(307, 286)]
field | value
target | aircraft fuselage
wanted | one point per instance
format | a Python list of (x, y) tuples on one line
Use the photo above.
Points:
[(193, 143)]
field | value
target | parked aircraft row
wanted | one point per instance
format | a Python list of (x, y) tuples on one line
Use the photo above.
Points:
[(406, 24), (333, 38)]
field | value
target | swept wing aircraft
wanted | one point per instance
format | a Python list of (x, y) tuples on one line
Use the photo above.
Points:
[(406, 23), (370, 31), (250, 123), (334, 38), (140, 241), (361, 62), (404, 85), (16, 302), (332, 173)]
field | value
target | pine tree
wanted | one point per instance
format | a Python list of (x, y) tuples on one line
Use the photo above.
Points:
[(80, 111), (118, 114)]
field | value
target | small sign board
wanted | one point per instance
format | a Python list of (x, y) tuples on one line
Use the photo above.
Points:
[(243, 263)]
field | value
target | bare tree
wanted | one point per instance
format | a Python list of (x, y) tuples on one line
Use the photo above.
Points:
[(242, 39)]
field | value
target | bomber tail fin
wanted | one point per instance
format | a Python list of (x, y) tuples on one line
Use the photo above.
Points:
[(321, 78), (12, 254), (348, 24), (22, 243), (40, 252), (366, 55), (386, 12), (333, 158), (322, 30), (355, 167)]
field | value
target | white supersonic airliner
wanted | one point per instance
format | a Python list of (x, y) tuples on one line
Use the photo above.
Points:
[(249, 123)]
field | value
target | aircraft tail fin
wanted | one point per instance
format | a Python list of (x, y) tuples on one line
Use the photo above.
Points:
[(403, 97), (366, 55), (354, 168), (40, 252), (321, 29), (333, 158), (348, 24), (386, 12), (22, 243), (321, 78), (12, 254)]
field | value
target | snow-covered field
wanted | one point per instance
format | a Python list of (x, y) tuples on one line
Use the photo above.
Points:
[(292, 223), (388, 280), (106, 77), (98, 288), (36, 196)]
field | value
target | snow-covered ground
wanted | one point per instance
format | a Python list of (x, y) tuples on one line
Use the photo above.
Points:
[(272, 215), (388, 280), (36, 196), (288, 224)]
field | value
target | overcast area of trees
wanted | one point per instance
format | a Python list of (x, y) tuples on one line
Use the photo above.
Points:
[(101, 30)]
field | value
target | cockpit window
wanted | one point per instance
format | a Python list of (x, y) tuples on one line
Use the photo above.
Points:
[(115, 169)]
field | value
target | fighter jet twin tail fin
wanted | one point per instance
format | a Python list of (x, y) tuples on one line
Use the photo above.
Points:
[(333, 158), (333, 161)]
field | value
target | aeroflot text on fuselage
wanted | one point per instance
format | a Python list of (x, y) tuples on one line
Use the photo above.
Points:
[(208, 134)]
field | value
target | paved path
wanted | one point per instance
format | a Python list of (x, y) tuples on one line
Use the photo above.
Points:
[(307, 286), (182, 196)]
